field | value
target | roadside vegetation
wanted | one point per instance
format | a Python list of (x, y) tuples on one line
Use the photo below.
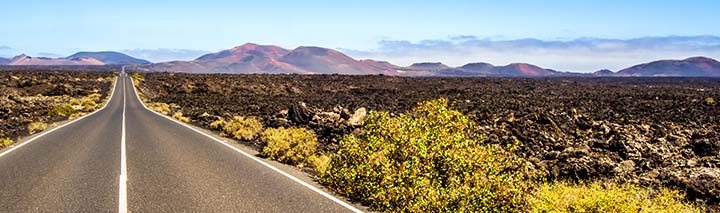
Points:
[(434, 158), (36, 127), (6, 142), (163, 108), (429, 159), (73, 107), (606, 197), (32, 101), (239, 127), (294, 146)]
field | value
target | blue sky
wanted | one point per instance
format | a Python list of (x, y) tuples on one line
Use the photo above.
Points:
[(190, 28)]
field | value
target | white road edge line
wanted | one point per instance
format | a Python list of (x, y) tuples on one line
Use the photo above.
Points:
[(64, 125), (122, 198), (293, 178)]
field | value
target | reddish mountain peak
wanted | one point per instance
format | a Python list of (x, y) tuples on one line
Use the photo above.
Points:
[(247, 45), (324, 60), (248, 49), (318, 52), (524, 69)]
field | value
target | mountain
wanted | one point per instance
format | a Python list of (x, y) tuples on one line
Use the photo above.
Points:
[(692, 67), (246, 58), (236, 54), (27, 60), (383, 65), (523, 69), (485, 69), (320, 60), (427, 66), (604, 72), (4, 61), (108, 57), (254, 58)]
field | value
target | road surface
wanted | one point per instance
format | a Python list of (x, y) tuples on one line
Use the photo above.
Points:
[(124, 158)]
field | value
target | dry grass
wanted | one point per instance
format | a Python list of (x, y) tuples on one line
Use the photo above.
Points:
[(5, 142), (35, 127), (293, 146), (606, 197), (179, 116)]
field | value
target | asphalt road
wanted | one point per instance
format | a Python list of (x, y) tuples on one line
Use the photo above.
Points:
[(125, 157)]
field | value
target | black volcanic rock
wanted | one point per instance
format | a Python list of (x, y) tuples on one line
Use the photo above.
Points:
[(109, 57), (690, 67)]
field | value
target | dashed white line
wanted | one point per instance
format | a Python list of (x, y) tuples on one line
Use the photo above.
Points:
[(293, 178), (122, 198)]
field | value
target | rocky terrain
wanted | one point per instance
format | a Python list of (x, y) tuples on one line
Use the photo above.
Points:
[(31, 96), (651, 131)]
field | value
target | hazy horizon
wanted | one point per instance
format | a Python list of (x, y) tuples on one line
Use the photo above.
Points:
[(562, 35)]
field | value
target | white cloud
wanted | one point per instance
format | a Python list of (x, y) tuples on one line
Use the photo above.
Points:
[(165, 54), (580, 55)]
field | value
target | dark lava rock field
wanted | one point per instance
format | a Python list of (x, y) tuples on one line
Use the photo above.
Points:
[(650, 131), (29, 96)]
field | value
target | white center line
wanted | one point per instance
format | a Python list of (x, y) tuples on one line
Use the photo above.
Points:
[(122, 199)]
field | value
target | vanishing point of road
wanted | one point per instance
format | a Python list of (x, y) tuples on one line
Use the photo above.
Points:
[(125, 157)]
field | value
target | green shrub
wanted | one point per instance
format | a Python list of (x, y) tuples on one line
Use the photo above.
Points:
[(160, 107), (75, 107), (5, 142), (428, 160), (89, 103), (242, 128), (710, 101), (321, 163), (137, 77), (36, 127), (180, 117), (64, 110), (292, 146), (606, 197), (218, 125)]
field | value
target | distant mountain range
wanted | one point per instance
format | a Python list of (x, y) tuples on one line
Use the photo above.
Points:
[(4, 61), (255, 58), (109, 57), (80, 58), (695, 66)]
